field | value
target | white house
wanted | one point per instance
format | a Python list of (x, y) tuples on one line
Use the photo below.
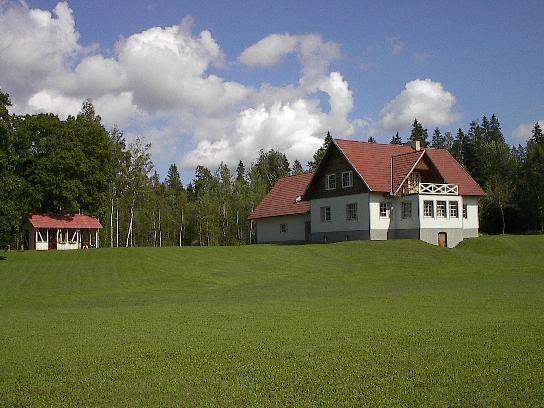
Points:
[(373, 191), (61, 232)]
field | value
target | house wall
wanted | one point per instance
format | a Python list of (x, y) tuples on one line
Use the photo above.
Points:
[(338, 228), (472, 223), (393, 226), (430, 227), (334, 162), (268, 229)]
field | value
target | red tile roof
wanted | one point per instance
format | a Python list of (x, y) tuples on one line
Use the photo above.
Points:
[(75, 221), (454, 173), (402, 166), (281, 199), (373, 163)]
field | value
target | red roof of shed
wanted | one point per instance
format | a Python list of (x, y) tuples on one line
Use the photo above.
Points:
[(281, 200), (75, 221)]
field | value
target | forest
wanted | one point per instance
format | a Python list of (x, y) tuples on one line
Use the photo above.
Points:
[(49, 165)]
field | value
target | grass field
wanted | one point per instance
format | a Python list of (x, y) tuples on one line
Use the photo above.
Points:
[(398, 323)]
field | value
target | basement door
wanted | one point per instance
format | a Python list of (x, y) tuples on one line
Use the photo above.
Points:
[(443, 239)]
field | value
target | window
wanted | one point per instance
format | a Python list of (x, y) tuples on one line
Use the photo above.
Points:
[(465, 211), (428, 208), (325, 214), (406, 209), (384, 213), (331, 182), (283, 228), (454, 209), (413, 182), (347, 179), (351, 212), (441, 209)]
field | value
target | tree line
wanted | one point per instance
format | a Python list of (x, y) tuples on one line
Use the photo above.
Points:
[(48, 165)]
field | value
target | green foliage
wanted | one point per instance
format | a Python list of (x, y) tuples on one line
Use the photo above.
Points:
[(418, 133), (499, 171), (396, 139), (396, 323), (297, 168), (320, 153)]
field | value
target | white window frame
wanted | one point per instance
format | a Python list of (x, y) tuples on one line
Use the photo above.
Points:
[(325, 214), (282, 229), (465, 211), (384, 209), (352, 212), (426, 213), (406, 210), (445, 209), (328, 179), (454, 209), (350, 179)]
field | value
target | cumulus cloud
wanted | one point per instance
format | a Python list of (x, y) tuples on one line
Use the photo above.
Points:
[(423, 99), (315, 54), (158, 84), (524, 131)]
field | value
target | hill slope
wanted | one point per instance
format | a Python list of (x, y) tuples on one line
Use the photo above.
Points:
[(356, 323)]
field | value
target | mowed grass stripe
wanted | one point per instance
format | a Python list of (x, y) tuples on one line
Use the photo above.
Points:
[(396, 323)]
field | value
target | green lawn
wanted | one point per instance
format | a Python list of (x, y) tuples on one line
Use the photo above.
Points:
[(398, 323)]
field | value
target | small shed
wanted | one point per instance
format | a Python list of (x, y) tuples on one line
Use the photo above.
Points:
[(63, 232)]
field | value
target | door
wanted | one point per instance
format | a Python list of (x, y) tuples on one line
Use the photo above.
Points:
[(308, 231), (443, 239)]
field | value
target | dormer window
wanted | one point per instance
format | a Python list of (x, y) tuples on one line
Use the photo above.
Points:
[(330, 182), (347, 179)]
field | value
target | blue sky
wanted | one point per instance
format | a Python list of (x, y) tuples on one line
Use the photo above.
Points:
[(479, 57)]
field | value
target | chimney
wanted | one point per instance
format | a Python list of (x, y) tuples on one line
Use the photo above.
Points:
[(416, 145)]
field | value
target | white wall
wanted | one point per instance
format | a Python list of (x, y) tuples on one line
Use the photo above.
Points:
[(472, 221), (439, 222), (268, 229), (394, 220), (338, 213)]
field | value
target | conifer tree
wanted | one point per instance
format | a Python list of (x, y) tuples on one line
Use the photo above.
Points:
[(396, 139), (418, 133)]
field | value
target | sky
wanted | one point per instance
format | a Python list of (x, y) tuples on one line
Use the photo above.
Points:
[(211, 82)]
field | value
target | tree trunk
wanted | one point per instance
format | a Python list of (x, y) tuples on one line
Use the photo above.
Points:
[(160, 230), (130, 240), (111, 224), (502, 217), (181, 230), (117, 226)]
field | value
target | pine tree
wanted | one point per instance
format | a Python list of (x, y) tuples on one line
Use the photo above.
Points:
[(173, 180), (396, 139), (240, 171), (438, 141), (297, 168), (320, 153), (537, 135), (371, 140), (418, 133)]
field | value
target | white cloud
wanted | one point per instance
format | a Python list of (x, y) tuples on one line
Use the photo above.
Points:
[(158, 83), (524, 131), (423, 99), (315, 54), (35, 44), (268, 51)]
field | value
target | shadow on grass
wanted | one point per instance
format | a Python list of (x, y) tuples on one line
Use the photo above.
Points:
[(2, 258)]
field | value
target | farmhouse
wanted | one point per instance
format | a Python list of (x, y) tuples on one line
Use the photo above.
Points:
[(373, 191), (62, 232)]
